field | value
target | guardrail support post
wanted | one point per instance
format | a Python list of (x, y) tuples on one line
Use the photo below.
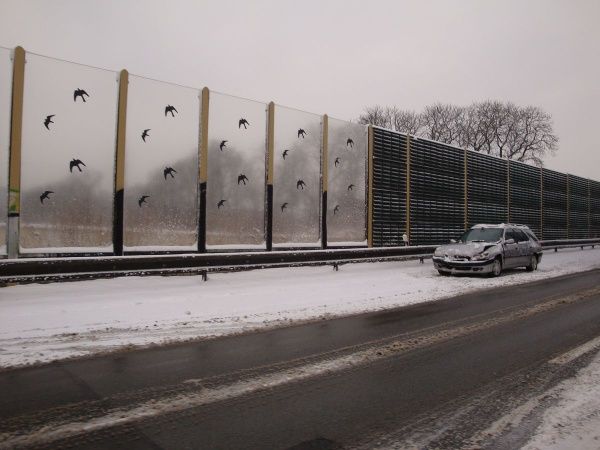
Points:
[(270, 163), (408, 189), (541, 203), (14, 172), (203, 169), (120, 164), (568, 208), (466, 189), (370, 186), (507, 190)]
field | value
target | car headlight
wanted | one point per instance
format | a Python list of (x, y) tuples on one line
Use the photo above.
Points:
[(481, 256), (438, 252)]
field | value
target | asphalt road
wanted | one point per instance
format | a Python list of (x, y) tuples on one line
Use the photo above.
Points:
[(387, 379)]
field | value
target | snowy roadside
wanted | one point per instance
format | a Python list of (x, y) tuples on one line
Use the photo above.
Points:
[(45, 322), (574, 421)]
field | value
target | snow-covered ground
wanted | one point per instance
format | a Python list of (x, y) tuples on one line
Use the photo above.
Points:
[(44, 322), (574, 421)]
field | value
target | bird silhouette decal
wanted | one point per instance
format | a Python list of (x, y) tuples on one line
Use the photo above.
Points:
[(285, 153), (244, 122), (48, 121), (302, 133), (336, 209), (300, 184), (221, 203), (350, 186), (222, 145), (169, 171), (170, 109), (242, 179), (45, 195), (76, 163), (350, 143), (145, 134), (80, 93), (142, 199), (337, 161), (283, 206)]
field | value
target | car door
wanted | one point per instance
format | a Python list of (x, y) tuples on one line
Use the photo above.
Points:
[(511, 251), (524, 248)]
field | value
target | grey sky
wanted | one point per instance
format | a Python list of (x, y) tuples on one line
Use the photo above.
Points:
[(336, 57)]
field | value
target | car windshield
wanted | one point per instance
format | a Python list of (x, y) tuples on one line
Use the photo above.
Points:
[(482, 235)]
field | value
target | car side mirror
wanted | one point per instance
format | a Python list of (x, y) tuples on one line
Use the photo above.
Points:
[(453, 241), (509, 241)]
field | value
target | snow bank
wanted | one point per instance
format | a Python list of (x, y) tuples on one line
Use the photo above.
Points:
[(44, 322)]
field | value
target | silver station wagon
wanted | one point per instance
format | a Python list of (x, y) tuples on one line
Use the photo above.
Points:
[(489, 249)]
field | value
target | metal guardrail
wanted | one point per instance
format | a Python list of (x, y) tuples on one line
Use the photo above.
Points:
[(76, 268)]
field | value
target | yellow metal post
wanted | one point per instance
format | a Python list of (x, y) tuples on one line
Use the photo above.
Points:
[(203, 167), (541, 203), (14, 171), (408, 188), (370, 187), (270, 163), (120, 163), (466, 189), (324, 179), (568, 208)]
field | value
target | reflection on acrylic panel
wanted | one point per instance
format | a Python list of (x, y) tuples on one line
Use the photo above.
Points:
[(161, 166), (235, 205), (346, 193), (68, 157), (297, 178), (5, 100)]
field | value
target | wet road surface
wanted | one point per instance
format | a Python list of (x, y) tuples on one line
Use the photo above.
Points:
[(385, 378)]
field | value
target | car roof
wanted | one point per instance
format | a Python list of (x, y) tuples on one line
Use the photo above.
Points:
[(500, 225)]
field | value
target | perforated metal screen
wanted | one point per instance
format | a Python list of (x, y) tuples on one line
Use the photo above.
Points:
[(525, 198), (487, 189)]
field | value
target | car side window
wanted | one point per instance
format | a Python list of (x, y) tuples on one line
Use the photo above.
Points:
[(510, 234), (521, 236)]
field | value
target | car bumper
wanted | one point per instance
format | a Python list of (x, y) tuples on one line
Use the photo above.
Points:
[(455, 267)]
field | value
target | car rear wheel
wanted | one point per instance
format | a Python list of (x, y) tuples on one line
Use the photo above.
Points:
[(496, 268), (532, 264), (442, 273)]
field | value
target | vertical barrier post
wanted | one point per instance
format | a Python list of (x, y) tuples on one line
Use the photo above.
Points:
[(466, 188), (589, 214), (14, 172), (568, 208), (370, 186), (120, 164), (408, 189), (270, 162), (541, 203), (203, 167), (324, 179), (507, 190)]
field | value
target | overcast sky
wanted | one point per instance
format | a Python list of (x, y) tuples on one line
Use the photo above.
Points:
[(338, 56)]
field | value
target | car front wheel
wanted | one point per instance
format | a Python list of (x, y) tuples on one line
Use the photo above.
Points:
[(496, 268)]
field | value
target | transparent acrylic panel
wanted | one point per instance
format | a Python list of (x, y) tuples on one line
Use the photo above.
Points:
[(297, 179), (235, 210), (161, 166), (68, 157), (6, 68), (347, 184)]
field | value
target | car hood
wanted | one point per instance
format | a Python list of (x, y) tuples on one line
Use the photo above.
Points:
[(468, 249)]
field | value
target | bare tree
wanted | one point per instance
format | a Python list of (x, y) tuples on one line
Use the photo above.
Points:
[(496, 128)]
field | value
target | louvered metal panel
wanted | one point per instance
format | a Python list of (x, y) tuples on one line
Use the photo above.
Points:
[(554, 206), (594, 209), (578, 207), (525, 195), (389, 187), (436, 192), (487, 189)]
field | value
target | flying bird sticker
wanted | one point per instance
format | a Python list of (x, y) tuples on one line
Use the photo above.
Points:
[(80, 93), (242, 179), (222, 145), (285, 153), (283, 206), (169, 171), (221, 203), (302, 133), (45, 195), (170, 109), (145, 134), (48, 121), (350, 143), (244, 122), (142, 200), (76, 163), (337, 161), (336, 209), (300, 184), (350, 186)]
